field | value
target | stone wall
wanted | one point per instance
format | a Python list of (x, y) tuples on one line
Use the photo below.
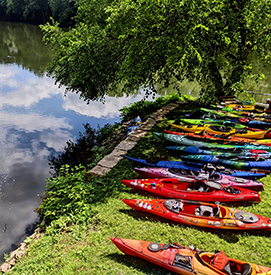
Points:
[(108, 162)]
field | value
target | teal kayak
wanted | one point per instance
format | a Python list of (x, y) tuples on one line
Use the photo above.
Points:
[(183, 140), (241, 153)]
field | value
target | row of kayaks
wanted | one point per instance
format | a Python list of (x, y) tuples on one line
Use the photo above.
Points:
[(192, 189)]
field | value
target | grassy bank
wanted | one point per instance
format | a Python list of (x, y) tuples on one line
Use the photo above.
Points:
[(77, 237)]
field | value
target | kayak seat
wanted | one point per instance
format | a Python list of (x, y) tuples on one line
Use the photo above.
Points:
[(206, 211), (246, 269), (227, 268), (231, 190), (240, 131), (220, 128), (182, 261), (173, 205)]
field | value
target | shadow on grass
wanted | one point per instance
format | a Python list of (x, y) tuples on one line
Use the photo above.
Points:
[(230, 236), (139, 264)]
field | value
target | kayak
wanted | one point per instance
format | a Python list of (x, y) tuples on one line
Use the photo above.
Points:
[(189, 176), (232, 163), (240, 111), (212, 122), (187, 261), (201, 214), (241, 107), (133, 126), (187, 141), (253, 123), (237, 108), (237, 114), (208, 191), (197, 167), (219, 130), (236, 123), (220, 113), (228, 152), (221, 138)]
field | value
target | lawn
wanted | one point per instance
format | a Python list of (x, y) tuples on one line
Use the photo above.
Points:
[(72, 245)]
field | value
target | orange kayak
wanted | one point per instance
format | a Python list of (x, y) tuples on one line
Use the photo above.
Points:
[(201, 214), (188, 261)]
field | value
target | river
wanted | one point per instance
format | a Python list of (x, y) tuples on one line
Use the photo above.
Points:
[(36, 121)]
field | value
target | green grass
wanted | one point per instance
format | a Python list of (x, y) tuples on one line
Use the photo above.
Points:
[(85, 247)]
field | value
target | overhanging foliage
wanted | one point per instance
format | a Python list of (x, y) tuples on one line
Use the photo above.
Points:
[(126, 44)]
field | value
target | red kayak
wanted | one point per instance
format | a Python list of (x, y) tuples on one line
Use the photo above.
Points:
[(188, 261), (201, 214), (209, 191)]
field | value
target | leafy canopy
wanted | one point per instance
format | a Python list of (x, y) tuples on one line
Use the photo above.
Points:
[(128, 44)]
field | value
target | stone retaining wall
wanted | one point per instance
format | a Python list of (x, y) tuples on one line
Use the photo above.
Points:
[(108, 162)]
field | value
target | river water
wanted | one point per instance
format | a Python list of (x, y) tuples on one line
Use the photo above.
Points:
[(36, 120)]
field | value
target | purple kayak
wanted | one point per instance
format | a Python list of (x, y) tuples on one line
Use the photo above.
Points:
[(191, 176)]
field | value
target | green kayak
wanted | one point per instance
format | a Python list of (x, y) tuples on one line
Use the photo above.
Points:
[(210, 121), (220, 113)]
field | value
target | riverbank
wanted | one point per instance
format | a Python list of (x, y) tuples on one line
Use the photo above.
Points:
[(84, 247)]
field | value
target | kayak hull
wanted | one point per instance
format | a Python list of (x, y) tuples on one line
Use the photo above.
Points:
[(178, 258), (187, 141), (219, 130), (221, 138), (201, 214), (183, 175), (243, 165), (208, 191), (197, 167)]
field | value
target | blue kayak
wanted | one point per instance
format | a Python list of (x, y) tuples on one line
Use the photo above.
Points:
[(196, 167), (236, 152), (133, 126)]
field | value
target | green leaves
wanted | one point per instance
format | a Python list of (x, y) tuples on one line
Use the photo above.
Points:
[(121, 46), (68, 194)]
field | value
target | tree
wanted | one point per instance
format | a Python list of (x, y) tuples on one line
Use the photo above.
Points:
[(140, 43), (62, 10)]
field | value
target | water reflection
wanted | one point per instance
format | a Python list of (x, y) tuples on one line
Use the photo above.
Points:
[(36, 121), (22, 44)]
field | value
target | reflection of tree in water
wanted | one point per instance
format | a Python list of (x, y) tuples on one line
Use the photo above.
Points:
[(262, 86), (22, 44), (7, 246)]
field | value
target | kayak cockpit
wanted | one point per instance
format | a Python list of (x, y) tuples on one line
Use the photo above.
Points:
[(194, 208), (183, 261), (225, 264)]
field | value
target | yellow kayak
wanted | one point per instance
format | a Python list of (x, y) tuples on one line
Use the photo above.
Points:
[(220, 130), (241, 107)]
